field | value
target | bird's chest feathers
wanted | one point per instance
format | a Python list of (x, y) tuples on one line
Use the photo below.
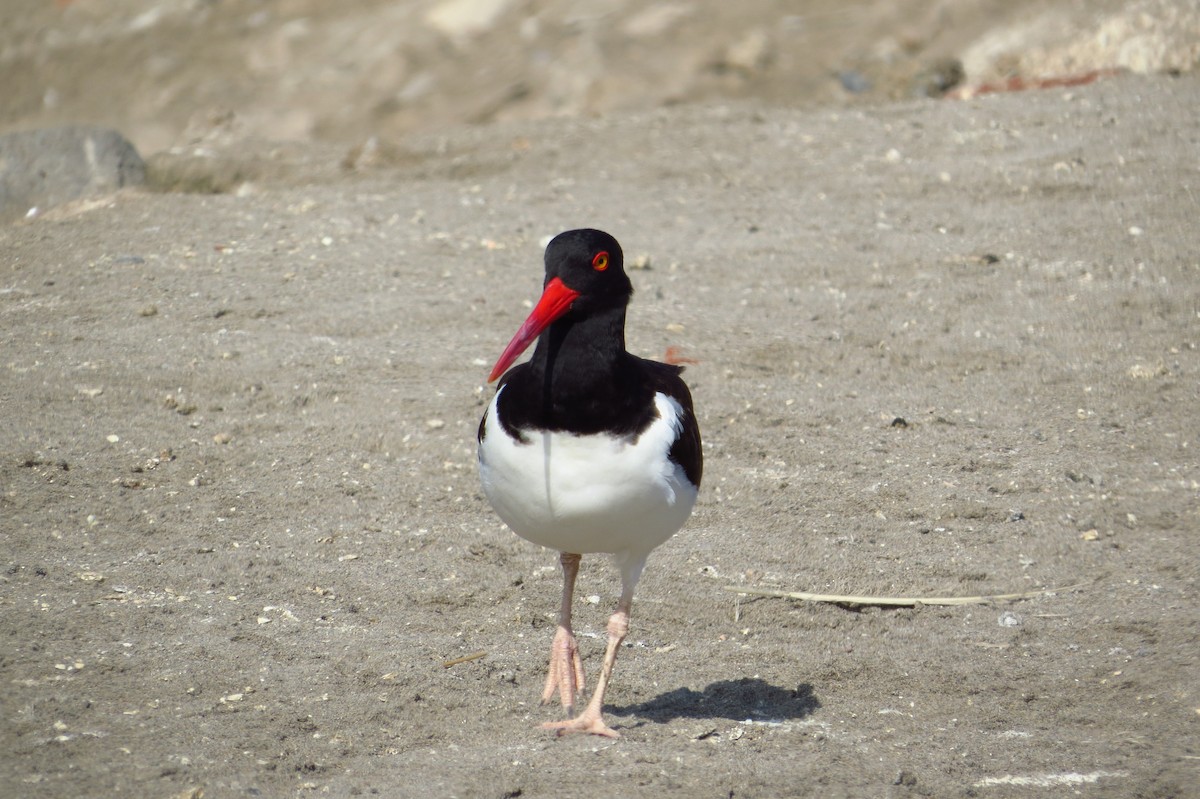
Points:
[(543, 478)]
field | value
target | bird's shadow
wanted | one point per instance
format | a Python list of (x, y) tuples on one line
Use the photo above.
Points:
[(748, 698)]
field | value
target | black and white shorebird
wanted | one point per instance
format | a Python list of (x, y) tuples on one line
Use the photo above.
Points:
[(587, 448)]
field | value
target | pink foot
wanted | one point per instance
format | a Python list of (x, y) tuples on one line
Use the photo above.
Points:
[(566, 670), (588, 721)]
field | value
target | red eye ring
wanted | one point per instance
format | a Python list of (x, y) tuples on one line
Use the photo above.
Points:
[(600, 261)]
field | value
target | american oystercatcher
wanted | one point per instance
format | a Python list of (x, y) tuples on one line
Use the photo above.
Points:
[(587, 448)]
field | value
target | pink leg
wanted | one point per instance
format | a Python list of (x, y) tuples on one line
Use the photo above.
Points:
[(566, 670), (591, 720)]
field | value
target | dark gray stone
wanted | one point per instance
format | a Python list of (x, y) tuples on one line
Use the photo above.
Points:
[(48, 167)]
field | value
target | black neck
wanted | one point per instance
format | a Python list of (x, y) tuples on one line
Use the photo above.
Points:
[(580, 378), (578, 357)]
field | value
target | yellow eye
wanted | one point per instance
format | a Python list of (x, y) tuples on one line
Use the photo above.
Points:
[(600, 261)]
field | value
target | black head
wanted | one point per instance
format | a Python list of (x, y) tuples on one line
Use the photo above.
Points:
[(585, 280), (589, 262)]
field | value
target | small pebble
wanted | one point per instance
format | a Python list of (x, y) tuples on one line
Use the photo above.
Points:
[(113, 439), (853, 81), (1009, 619)]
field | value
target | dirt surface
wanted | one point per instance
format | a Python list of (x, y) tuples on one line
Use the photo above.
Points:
[(244, 531), (942, 349), (165, 71)]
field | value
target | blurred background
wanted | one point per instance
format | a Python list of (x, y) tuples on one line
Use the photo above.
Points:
[(169, 72)]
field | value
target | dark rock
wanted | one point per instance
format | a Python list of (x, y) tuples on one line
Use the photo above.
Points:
[(853, 81), (938, 78), (51, 166)]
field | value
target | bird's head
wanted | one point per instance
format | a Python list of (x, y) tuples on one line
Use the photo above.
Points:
[(585, 274)]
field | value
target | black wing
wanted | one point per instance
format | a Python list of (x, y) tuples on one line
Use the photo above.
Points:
[(686, 449)]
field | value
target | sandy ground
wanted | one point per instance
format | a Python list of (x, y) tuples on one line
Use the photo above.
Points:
[(244, 535)]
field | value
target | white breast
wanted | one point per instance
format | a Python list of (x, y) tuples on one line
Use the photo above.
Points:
[(588, 493)]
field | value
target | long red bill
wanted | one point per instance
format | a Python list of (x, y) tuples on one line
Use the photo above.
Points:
[(556, 300)]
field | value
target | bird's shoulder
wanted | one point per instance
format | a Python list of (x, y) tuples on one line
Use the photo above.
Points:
[(666, 379), (518, 372)]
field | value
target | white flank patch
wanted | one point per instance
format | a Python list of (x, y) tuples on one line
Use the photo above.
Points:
[(1048, 780), (588, 493)]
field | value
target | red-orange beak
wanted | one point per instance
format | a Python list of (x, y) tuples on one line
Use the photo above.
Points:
[(556, 300)]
